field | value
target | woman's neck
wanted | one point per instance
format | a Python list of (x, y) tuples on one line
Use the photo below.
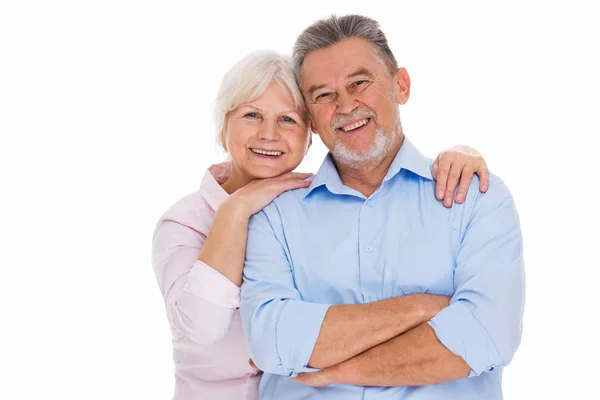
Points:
[(236, 181)]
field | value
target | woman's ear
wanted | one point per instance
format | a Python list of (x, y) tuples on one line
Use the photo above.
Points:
[(223, 143)]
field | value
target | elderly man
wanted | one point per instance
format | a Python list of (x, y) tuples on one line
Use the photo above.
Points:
[(363, 286)]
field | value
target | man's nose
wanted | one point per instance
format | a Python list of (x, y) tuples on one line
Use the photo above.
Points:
[(346, 103)]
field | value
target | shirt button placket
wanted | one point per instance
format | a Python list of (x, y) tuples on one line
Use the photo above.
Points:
[(366, 259)]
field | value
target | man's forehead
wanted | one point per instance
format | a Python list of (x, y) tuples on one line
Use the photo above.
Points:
[(340, 61)]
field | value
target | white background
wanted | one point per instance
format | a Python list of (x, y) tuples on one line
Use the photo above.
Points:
[(105, 120)]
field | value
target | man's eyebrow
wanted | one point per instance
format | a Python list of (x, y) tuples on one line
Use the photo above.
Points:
[(314, 88), (362, 71)]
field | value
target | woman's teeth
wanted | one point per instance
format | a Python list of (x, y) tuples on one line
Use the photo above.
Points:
[(267, 153)]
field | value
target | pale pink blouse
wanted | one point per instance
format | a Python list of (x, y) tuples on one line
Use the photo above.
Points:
[(210, 354)]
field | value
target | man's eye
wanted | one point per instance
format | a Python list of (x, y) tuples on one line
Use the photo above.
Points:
[(359, 83), (323, 97)]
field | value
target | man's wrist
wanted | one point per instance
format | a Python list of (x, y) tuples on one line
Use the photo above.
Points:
[(428, 305), (342, 373)]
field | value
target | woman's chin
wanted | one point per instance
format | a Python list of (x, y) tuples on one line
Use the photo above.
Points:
[(267, 172)]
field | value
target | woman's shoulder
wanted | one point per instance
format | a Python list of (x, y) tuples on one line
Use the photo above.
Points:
[(191, 210), (197, 209)]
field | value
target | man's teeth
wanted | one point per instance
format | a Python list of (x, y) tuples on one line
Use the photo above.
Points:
[(355, 126), (267, 153)]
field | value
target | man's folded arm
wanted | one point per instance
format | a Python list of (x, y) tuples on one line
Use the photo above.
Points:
[(287, 335), (280, 328), (481, 329), (484, 322)]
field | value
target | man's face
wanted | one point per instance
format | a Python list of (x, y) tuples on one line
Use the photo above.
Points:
[(353, 100)]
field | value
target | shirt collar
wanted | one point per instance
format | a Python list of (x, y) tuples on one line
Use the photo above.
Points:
[(408, 157), (210, 187), (411, 159)]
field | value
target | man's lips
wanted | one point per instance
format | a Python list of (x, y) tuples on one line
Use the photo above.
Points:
[(355, 126)]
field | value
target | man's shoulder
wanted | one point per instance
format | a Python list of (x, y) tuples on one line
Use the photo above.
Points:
[(288, 202), (459, 215), (480, 204), (497, 190), (290, 199)]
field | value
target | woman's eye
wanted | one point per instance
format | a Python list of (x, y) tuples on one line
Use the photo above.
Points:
[(288, 120), (251, 115)]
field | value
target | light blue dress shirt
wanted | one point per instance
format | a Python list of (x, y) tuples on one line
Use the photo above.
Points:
[(328, 244)]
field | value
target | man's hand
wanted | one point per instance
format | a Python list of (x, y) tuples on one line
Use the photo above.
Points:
[(318, 378), (323, 377)]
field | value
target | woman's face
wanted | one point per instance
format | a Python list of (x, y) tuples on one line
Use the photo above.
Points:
[(266, 137)]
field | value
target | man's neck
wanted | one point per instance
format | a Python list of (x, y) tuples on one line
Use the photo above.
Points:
[(368, 179)]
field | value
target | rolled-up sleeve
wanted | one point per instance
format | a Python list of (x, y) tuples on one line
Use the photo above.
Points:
[(200, 302), (483, 323), (281, 329)]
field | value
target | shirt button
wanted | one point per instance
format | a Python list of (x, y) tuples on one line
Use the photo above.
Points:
[(368, 249), (369, 203)]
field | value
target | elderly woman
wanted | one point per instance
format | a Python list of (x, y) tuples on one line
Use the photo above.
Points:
[(199, 243)]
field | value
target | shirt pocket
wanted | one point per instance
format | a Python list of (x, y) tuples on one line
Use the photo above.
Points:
[(426, 261)]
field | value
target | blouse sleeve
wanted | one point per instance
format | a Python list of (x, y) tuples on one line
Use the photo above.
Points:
[(200, 302)]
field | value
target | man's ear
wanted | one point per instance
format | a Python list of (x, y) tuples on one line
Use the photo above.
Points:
[(401, 85), (310, 135), (313, 127)]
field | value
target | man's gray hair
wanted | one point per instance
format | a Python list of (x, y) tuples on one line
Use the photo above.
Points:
[(327, 32)]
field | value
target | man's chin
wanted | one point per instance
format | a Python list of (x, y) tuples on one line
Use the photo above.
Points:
[(357, 158)]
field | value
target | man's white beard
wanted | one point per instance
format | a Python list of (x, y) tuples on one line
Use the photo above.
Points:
[(380, 147)]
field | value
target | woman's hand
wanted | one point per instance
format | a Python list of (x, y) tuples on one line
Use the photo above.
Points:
[(225, 246), (458, 163), (257, 194)]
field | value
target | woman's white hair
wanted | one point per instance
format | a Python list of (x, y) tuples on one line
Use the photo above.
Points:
[(248, 79)]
